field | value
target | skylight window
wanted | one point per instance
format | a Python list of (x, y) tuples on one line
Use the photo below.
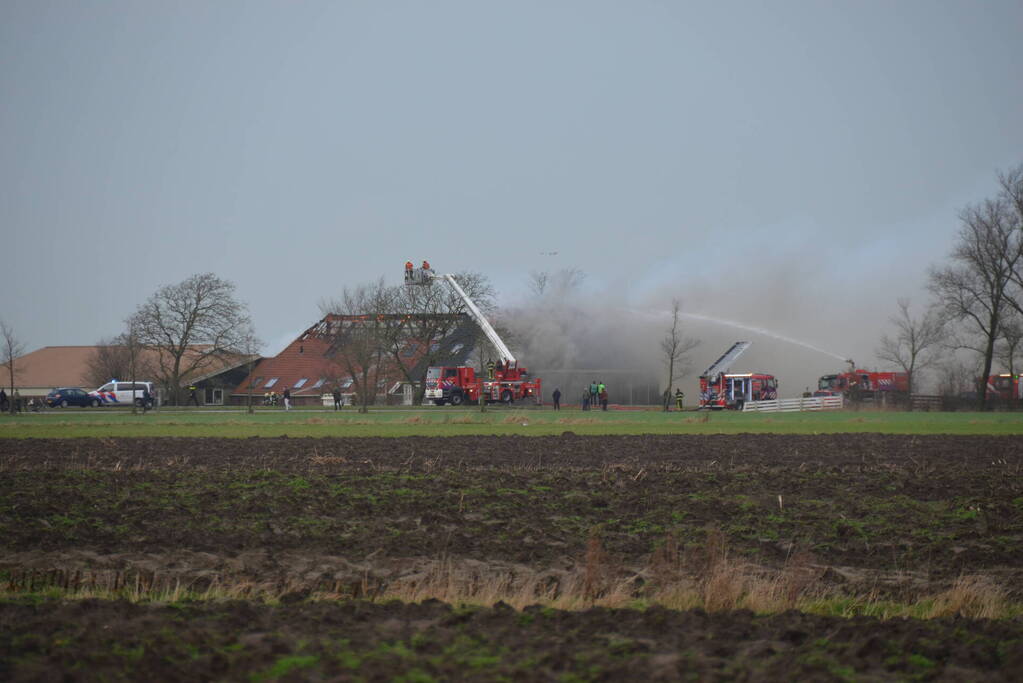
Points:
[(457, 347), (347, 383), (300, 383), (319, 382), (270, 382)]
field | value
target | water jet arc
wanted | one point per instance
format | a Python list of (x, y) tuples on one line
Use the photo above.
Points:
[(762, 331)]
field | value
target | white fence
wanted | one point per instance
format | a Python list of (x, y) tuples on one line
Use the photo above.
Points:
[(791, 405)]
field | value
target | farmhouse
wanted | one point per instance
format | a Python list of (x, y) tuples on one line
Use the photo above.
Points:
[(333, 352)]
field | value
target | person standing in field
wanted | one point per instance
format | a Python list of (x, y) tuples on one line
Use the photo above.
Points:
[(287, 398), (603, 398), (586, 399), (192, 397), (594, 390), (679, 398), (556, 398), (337, 398), (667, 400)]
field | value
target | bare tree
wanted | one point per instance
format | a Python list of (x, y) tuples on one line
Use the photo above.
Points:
[(191, 324), (251, 345), (1011, 194), (426, 315), (131, 346), (109, 361), (543, 282), (676, 348), (956, 376), (538, 281), (915, 343), (973, 290), (408, 322), (358, 342), (1010, 345), (11, 349)]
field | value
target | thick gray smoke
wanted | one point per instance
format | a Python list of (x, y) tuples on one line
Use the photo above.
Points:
[(569, 333)]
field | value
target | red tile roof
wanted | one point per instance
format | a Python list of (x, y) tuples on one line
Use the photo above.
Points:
[(308, 357)]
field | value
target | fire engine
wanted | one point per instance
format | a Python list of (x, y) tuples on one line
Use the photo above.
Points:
[(506, 380), (1005, 387), (721, 389), (862, 383)]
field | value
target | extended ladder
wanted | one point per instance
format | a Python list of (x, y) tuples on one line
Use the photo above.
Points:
[(724, 362), (480, 319), (422, 276)]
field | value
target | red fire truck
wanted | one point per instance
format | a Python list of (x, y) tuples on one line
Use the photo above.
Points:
[(506, 380), (456, 385), (720, 389), (862, 383), (1005, 387)]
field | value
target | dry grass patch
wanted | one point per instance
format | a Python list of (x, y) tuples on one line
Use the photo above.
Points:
[(974, 596), (595, 581)]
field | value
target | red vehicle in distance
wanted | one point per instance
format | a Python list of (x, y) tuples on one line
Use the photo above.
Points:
[(862, 383), (1005, 387)]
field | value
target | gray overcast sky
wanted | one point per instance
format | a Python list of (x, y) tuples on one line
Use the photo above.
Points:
[(791, 165)]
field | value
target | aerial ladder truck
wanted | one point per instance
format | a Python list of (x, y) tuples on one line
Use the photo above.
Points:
[(720, 389), (506, 380)]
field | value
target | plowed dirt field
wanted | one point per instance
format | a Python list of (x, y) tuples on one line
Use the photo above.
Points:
[(102, 640), (537, 519)]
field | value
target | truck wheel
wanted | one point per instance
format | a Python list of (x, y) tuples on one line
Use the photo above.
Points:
[(138, 402), (506, 397), (456, 399), (63, 403), (94, 403)]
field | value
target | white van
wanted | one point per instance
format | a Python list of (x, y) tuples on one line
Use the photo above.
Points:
[(115, 393)]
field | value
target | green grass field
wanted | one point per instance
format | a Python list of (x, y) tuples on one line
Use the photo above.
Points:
[(452, 422)]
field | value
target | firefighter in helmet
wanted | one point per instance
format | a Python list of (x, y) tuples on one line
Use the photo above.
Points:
[(408, 271)]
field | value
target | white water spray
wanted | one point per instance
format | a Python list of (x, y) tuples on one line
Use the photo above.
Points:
[(750, 328), (760, 330)]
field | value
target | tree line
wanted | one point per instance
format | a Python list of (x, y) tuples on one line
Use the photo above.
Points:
[(977, 306)]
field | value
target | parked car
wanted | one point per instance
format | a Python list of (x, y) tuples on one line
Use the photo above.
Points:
[(123, 393), (71, 396)]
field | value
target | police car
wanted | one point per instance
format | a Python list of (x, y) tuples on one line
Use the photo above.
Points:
[(115, 393)]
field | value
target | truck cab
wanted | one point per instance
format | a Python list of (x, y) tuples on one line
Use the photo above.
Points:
[(448, 384)]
